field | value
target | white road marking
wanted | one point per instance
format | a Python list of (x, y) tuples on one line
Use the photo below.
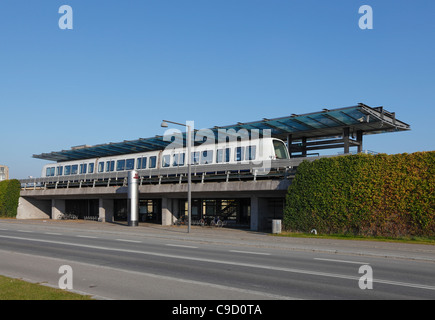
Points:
[(181, 246), (241, 264), (127, 240), (250, 252), (53, 233), (90, 237), (342, 261)]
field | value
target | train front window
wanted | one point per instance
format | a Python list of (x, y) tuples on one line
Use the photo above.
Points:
[(280, 149)]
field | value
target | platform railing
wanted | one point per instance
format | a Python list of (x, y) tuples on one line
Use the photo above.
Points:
[(274, 169)]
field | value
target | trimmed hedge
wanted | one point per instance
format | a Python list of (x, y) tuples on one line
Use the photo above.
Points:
[(9, 195), (369, 195)]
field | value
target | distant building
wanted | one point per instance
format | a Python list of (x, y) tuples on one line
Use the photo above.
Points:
[(4, 173)]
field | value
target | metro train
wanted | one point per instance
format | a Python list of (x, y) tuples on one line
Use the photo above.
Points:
[(236, 152)]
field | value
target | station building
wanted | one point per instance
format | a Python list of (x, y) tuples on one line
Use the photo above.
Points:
[(4, 173), (237, 193)]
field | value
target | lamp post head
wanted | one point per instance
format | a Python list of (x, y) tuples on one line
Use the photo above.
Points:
[(164, 124)]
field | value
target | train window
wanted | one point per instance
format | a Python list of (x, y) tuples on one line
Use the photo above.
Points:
[(83, 168), (223, 155), (207, 156), (59, 170), (139, 163), (179, 159), (101, 167), (195, 157), (280, 149), (91, 168), (239, 153), (50, 172), (120, 165), (251, 152), (110, 166), (129, 164), (166, 161), (74, 168), (67, 170), (144, 163), (153, 161)]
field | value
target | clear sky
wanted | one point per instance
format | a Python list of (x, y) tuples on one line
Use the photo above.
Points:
[(126, 65)]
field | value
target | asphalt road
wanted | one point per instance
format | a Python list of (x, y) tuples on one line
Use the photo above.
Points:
[(110, 261)]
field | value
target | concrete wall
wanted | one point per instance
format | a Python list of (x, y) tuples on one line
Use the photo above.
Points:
[(31, 208)]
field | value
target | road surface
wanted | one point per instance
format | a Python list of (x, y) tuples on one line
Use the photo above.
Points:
[(149, 262)]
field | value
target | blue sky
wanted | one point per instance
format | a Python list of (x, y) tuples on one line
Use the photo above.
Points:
[(126, 65)]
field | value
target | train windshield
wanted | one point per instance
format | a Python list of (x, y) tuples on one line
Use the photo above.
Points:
[(280, 149)]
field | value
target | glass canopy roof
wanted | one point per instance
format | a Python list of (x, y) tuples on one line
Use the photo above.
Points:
[(312, 126)]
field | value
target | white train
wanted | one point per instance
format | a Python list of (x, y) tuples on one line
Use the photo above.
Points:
[(235, 152)]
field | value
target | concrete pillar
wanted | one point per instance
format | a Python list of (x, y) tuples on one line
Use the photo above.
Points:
[(57, 208), (105, 210), (29, 208), (167, 211), (346, 132), (359, 139), (254, 213)]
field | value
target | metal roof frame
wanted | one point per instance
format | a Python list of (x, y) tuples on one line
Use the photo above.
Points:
[(323, 125)]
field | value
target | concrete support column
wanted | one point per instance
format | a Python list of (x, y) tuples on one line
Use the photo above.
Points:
[(255, 213), (359, 139), (57, 208), (105, 210), (167, 211), (346, 132)]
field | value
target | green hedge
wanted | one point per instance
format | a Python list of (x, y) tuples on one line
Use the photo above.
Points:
[(9, 195), (370, 195)]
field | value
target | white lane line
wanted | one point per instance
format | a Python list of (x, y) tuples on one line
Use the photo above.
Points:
[(1, 229), (181, 246), (90, 237), (28, 231), (53, 233), (342, 261), (250, 252), (234, 263), (127, 240)]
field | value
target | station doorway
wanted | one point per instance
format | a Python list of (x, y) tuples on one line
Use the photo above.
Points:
[(82, 209), (236, 212), (150, 210)]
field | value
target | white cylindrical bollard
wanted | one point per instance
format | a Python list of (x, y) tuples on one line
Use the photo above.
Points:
[(276, 226), (133, 198)]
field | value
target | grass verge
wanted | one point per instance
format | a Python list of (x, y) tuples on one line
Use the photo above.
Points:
[(410, 239), (15, 289)]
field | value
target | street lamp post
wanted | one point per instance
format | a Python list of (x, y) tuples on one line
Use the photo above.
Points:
[(189, 168)]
